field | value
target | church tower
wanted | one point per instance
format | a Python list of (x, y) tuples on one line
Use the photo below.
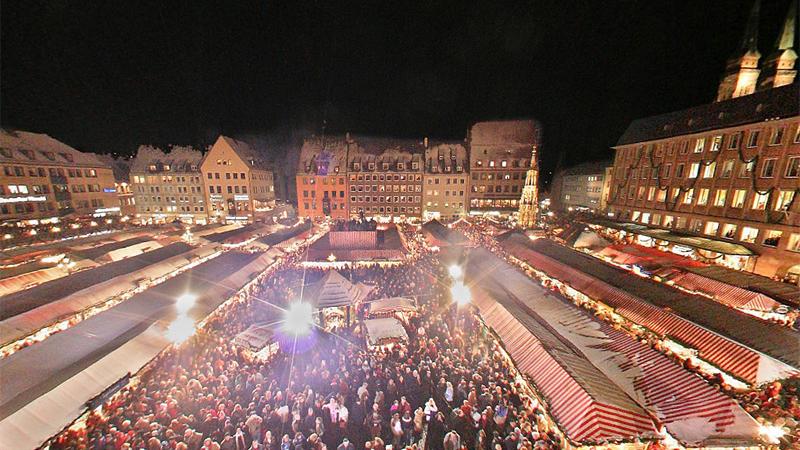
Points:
[(779, 69), (529, 202), (741, 73)]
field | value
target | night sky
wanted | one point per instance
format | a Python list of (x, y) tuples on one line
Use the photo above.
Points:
[(108, 76)]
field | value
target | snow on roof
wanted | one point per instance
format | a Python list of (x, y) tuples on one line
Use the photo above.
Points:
[(379, 330), (179, 159), (36, 148)]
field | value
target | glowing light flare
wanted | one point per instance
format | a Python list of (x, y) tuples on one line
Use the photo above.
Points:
[(298, 318), (461, 294), (180, 329), (185, 302), (8, 236), (771, 433), (53, 258), (455, 271)]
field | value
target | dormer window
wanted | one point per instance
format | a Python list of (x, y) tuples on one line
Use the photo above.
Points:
[(152, 168), (356, 166), (167, 167), (66, 156), (414, 166), (385, 166), (193, 167), (50, 155), (5, 152), (503, 163), (491, 163), (336, 169), (401, 166), (459, 169), (371, 166)]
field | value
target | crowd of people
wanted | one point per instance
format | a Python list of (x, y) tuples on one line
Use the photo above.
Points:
[(449, 387)]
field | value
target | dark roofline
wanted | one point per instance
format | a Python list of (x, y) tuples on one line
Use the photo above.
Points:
[(774, 103)]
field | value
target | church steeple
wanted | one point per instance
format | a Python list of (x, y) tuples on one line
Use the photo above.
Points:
[(779, 68), (741, 74)]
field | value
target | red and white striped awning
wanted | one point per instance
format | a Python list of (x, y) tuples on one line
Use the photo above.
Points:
[(728, 355), (732, 296), (582, 417)]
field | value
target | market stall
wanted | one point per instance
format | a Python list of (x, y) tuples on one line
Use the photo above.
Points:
[(259, 341), (335, 298), (384, 333), (399, 307)]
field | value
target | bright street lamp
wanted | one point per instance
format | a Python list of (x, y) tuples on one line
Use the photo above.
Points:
[(455, 271), (298, 318), (185, 303), (180, 329), (461, 294)]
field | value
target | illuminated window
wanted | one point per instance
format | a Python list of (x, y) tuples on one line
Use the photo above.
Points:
[(736, 139), (749, 234), (710, 170), (716, 143), (760, 200), (694, 171), (688, 197), (729, 231), (738, 198), (711, 228), (699, 145), (702, 197), (719, 197), (727, 168), (794, 242), (783, 200)]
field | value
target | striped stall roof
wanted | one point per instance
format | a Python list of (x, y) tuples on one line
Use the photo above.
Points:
[(730, 356), (692, 411), (581, 399), (732, 296)]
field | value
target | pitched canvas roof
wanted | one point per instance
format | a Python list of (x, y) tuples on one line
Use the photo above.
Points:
[(334, 290)]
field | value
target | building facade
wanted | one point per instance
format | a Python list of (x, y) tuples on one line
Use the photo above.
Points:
[(122, 184), (43, 179), (168, 186), (239, 182), (446, 182), (729, 170), (322, 178), (500, 153), (384, 179), (733, 176), (585, 186)]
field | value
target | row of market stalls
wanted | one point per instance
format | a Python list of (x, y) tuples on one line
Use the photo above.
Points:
[(52, 304), (657, 252), (439, 235), (674, 316), (601, 385), (730, 356)]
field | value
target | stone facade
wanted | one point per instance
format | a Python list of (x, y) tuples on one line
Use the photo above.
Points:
[(446, 182)]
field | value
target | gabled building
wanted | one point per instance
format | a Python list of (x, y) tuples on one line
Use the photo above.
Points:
[(500, 155), (322, 179), (446, 181), (168, 186), (42, 179), (239, 182)]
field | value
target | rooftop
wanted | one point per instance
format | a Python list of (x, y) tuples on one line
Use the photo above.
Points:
[(40, 149), (760, 106)]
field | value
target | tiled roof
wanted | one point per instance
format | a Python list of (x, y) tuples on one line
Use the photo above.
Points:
[(36, 148), (762, 105)]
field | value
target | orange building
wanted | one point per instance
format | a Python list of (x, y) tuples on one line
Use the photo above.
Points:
[(238, 182), (321, 178)]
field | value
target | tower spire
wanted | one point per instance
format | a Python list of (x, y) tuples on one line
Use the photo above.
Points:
[(786, 40), (779, 68), (750, 40), (741, 73)]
